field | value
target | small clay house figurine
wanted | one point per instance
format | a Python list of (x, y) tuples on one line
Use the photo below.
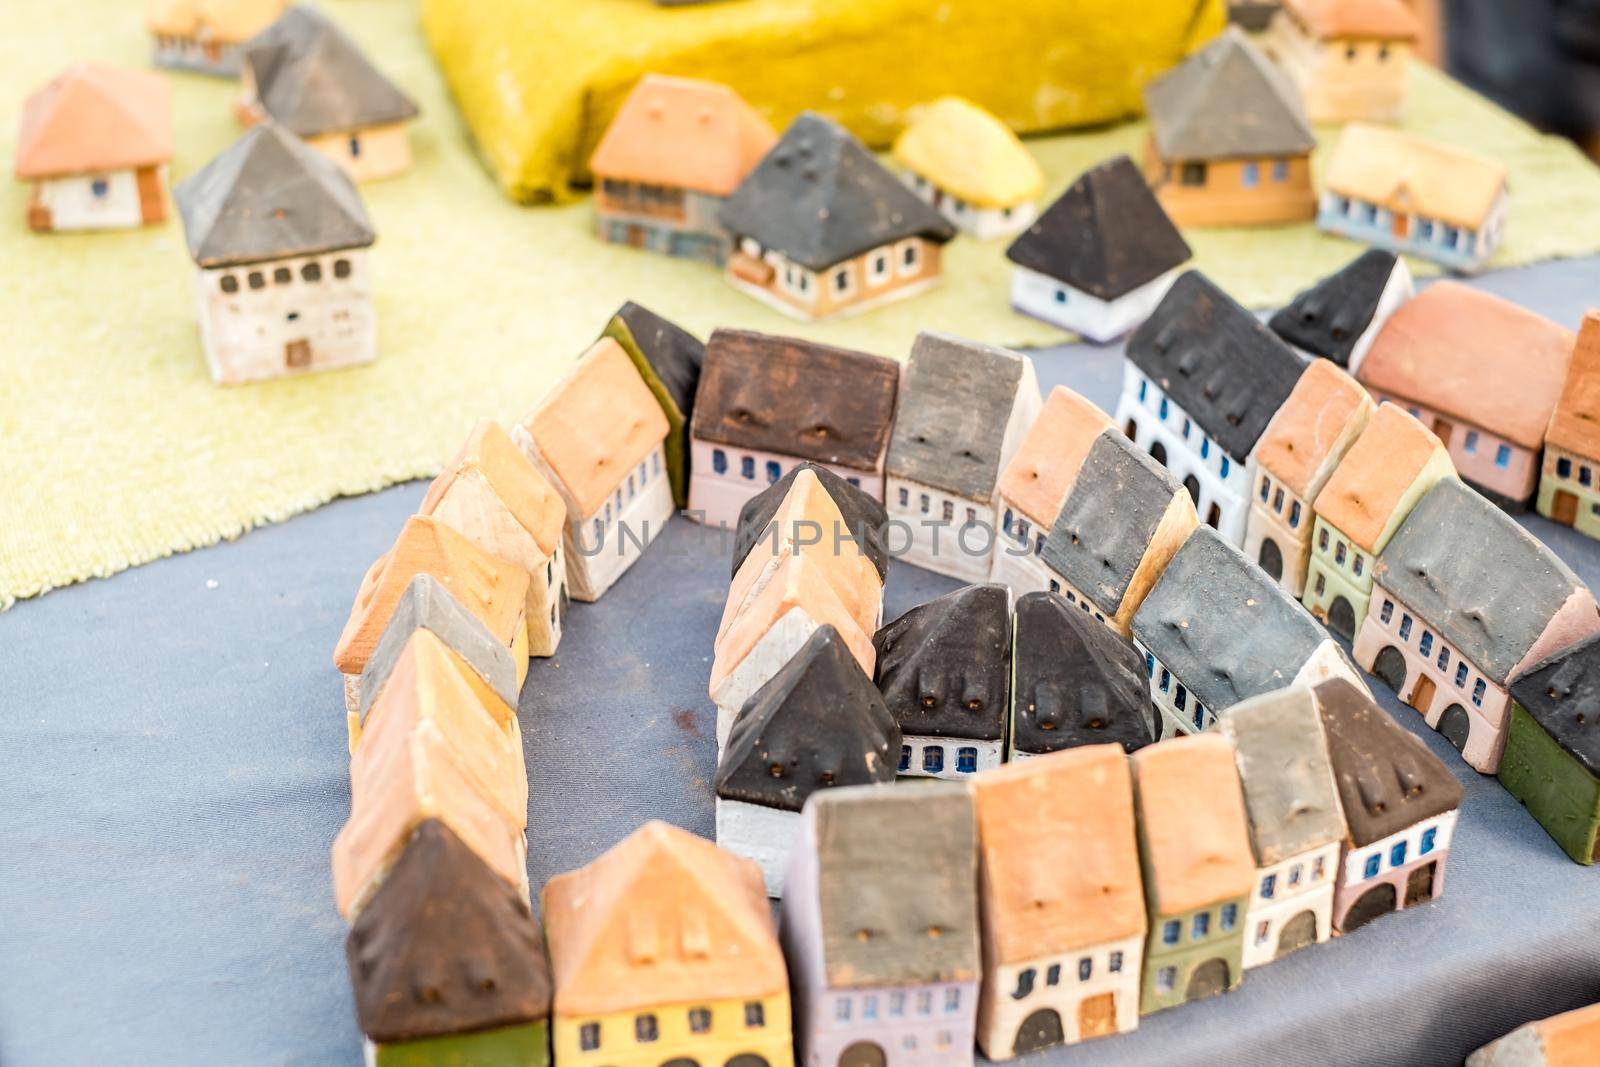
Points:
[(964, 409), (968, 164), (1100, 258), (306, 74), (490, 494), (1340, 316), (674, 153), (816, 724), (1399, 191), (1447, 632), (766, 402), (1568, 491), (863, 519), (1074, 682), (1482, 373), (1229, 142), (820, 228), (1399, 803), (1552, 756), (1291, 463), (1116, 532), (1198, 869), (205, 36), (944, 669), (599, 437), (1061, 901), (1296, 822), (664, 948), (884, 953), (1215, 630), (95, 142), (1565, 1040), (1348, 58), (279, 239), (1203, 378), (668, 358), (447, 962)]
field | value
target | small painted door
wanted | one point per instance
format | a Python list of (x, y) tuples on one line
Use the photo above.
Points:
[(1298, 932), (1456, 725), (862, 1054), (1271, 559), (1401, 226), (1564, 508), (1039, 1030), (1207, 980), (1097, 1016), (635, 238), (1422, 695), (1419, 885), (297, 354)]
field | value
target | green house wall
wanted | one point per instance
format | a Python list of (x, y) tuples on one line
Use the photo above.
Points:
[(1556, 788), (677, 444), (1187, 954), (526, 1045)]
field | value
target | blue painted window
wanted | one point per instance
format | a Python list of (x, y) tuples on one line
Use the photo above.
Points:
[(1428, 837), (841, 1010), (1061, 296), (1369, 212), (1163, 409), (1447, 236), (1055, 586), (1425, 646), (747, 467), (1374, 861), (1205, 448), (1085, 969), (1199, 716), (1397, 854), (1405, 627), (952, 1000), (1250, 175), (719, 461), (1025, 979), (1502, 456), (924, 503), (100, 187), (1359, 562), (854, 481), (774, 471), (1564, 468), (1461, 674), (1230, 916), (933, 759), (1338, 553), (1187, 426), (1425, 229), (1280, 170), (1166, 978), (1266, 487), (966, 759), (1269, 885), (1053, 975), (1277, 501), (1225, 466), (1005, 523), (1444, 658), (1149, 664), (1166, 679), (1322, 539), (1144, 387), (1477, 693), (1182, 698), (1114, 965), (1169, 932), (905, 497), (869, 1007), (1387, 612), (905, 758)]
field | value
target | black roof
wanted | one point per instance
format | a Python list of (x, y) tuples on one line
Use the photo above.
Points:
[(863, 515), (819, 197), (674, 354), (1216, 361), (1106, 235), (311, 77), (1076, 681), (944, 667), (1563, 695), (1329, 318)]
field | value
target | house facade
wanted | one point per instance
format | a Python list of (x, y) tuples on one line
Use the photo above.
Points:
[(970, 166), (205, 36), (1568, 490), (668, 358), (1340, 316), (1552, 756), (1348, 60)]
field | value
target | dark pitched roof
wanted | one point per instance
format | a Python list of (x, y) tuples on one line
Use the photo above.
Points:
[(1563, 695), (1468, 570), (1224, 101), (863, 515), (311, 77), (954, 651), (1216, 361), (796, 398), (445, 947), (820, 197), (818, 722), (1387, 778), (1106, 235), (954, 406), (1329, 318), (268, 196), (1075, 681), (673, 353)]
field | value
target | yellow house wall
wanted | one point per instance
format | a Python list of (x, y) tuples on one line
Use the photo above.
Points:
[(1224, 199), (385, 151), (728, 1036)]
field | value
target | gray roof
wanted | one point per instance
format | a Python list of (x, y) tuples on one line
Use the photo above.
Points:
[(311, 77), (1225, 101), (1563, 696), (955, 402), (270, 196), (1467, 570), (1289, 791)]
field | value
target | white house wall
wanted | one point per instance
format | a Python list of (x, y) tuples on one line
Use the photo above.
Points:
[(721, 496), (74, 204), (915, 752), (919, 533), (1000, 1014), (775, 648), (1318, 873), (1060, 304), (758, 833), (602, 546)]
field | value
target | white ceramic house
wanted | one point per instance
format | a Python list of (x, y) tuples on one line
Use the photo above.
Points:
[(205, 36), (968, 164)]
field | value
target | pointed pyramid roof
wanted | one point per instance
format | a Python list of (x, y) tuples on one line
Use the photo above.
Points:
[(672, 354), (956, 651), (1224, 101), (863, 515), (1077, 682), (94, 117), (683, 132), (1330, 317), (313, 79)]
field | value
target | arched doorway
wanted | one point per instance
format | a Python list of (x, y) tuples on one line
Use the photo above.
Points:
[(1271, 559), (1390, 667), (1192, 484), (1298, 932), (1207, 980), (1342, 620), (862, 1054), (1456, 725), (1379, 900), (1097, 1016), (1039, 1030), (1158, 452)]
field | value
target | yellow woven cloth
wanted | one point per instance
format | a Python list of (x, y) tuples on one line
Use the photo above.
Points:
[(115, 448)]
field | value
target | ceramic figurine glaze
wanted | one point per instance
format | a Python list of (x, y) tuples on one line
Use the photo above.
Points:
[(1340, 316), (1568, 492), (204, 36), (1552, 756), (864, 518), (1348, 58), (968, 164), (668, 358)]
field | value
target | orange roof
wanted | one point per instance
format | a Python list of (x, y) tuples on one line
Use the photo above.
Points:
[(94, 118), (1054, 881), (1046, 463), (1323, 410), (1370, 481), (664, 917), (1414, 175), (493, 589), (683, 132), (1575, 426), (1474, 357), (489, 453), (1390, 19), (225, 21), (1194, 854), (596, 425), (1571, 1039)]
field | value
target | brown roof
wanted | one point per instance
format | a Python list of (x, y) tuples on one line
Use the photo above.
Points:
[(1575, 425), (1060, 856), (225, 21), (1046, 463), (1370, 481), (664, 917), (1326, 408), (683, 132), (1196, 852), (490, 454), (92, 118), (1389, 19), (1401, 170)]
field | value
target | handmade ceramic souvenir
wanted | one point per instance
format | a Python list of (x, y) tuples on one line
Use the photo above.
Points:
[(1348, 58), (864, 519), (1568, 492), (1340, 316), (205, 35), (1552, 756), (968, 164), (668, 358)]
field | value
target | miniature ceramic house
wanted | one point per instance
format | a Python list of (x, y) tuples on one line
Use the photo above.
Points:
[(1399, 803), (493, 496), (599, 437), (964, 409), (1340, 316), (1552, 756), (1062, 907), (1568, 492), (447, 963), (884, 954), (944, 669), (1566, 1040), (820, 228), (1296, 822), (1203, 378), (1447, 633), (674, 153), (1253, 15), (1215, 630), (664, 948), (1482, 373), (205, 35), (668, 358), (968, 164), (279, 239), (766, 402), (1100, 258), (1291, 463), (1398, 191), (1198, 869), (863, 519), (1229, 142), (1348, 58), (1116, 532), (95, 142), (817, 723)]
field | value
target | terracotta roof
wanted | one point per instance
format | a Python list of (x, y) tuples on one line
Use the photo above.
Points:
[(1361, 495), (92, 117), (1194, 854), (1227, 100), (595, 426), (490, 454), (664, 917), (1575, 424), (1323, 414), (964, 150), (863, 514), (1046, 463), (1570, 1039), (1388, 167), (1390, 19), (227, 21), (314, 79), (1059, 854), (683, 132), (1475, 357)]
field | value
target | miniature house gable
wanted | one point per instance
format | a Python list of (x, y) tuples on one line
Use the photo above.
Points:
[(668, 358), (1347, 58), (1340, 316), (864, 517)]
